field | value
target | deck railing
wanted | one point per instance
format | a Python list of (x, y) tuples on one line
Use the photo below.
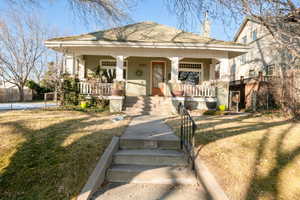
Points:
[(95, 88), (198, 90)]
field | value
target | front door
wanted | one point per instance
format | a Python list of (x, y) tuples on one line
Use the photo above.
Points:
[(158, 78)]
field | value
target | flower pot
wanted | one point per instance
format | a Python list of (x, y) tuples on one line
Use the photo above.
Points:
[(177, 93), (115, 92)]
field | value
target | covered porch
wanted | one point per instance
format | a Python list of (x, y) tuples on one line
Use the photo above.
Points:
[(146, 76)]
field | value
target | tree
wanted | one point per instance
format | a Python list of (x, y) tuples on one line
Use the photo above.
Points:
[(280, 17), (21, 48), (104, 11), (52, 76)]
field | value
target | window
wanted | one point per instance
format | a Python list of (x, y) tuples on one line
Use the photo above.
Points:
[(269, 70), (252, 73), (190, 73), (254, 35), (243, 59), (107, 70), (244, 39)]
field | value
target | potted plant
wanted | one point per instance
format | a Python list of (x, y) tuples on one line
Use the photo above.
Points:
[(177, 89), (118, 88)]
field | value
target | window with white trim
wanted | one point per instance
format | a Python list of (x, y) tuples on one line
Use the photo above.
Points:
[(107, 70), (190, 72)]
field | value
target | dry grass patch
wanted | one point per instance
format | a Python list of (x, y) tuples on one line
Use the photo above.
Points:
[(251, 157), (50, 154)]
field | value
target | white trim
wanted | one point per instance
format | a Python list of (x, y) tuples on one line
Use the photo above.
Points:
[(61, 44), (151, 69)]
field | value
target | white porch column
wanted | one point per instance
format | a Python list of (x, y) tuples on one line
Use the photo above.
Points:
[(212, 70), (69, 64), (119, 68), (224, 69), (174, 68), (81, 68)]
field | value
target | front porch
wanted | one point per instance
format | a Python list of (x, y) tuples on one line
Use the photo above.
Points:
[(149, 76)]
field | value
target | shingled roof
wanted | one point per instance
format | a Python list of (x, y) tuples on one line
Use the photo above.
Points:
[(144, 32)]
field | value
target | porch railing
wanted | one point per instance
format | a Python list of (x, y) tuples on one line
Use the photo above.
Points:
[(187, 132), (95, 88), (198, 90)]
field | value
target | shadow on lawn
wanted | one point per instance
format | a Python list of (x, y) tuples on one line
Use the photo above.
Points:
[(43, 168), (259, 185)]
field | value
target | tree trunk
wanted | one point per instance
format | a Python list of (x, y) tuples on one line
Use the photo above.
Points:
[(21, 93)]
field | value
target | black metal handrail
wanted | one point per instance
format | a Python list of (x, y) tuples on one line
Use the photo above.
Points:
[(187, 131)]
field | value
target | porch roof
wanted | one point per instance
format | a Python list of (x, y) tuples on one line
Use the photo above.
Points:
[(143, 32)]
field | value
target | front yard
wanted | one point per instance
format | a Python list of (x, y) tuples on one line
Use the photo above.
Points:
[(50, 154), (252, 157)]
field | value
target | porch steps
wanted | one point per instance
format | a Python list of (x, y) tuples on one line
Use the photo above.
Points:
[(152, 105)]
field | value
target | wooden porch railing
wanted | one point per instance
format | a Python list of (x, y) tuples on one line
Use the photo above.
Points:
[(95, 88), (199, 90)]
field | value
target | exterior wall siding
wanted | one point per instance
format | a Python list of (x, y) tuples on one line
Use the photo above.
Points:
[(263, 51)]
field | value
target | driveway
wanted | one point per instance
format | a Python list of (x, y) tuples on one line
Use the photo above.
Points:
[(26, 105)]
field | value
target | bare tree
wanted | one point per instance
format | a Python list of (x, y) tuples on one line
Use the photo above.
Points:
[(52, 76), (280, 17), (100, 11), (21, 48)]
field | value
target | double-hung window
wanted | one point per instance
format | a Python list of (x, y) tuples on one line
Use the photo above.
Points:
[(107, 70), (190, 73)]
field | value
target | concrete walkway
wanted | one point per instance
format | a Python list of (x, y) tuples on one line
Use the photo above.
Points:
[(117, 191), (149, 127), (150, 166)]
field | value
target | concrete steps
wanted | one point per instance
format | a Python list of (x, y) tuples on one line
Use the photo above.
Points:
[(131, 143), (150, 157), (151, 174), (151, 105)]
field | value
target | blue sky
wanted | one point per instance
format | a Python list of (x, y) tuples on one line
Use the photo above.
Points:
[(59, 16)]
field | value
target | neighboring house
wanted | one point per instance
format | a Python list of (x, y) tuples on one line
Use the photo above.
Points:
[(264, 55), (148, 56), (252, 71), (10, 93)]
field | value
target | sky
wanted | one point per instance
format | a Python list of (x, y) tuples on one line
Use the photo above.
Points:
[(59, 16)]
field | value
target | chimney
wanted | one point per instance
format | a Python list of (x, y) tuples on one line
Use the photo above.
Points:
[(206, 26)]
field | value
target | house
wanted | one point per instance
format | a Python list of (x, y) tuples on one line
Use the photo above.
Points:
[(253, 71), (262, 55), (150, 57)]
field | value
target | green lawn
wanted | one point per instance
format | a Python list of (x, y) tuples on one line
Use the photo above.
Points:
[(50, 154), (252, 157)]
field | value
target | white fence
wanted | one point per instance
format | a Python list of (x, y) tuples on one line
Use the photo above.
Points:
[(95, 88)]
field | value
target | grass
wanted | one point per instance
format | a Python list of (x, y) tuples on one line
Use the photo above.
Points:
[(50, 154), (252, 157)]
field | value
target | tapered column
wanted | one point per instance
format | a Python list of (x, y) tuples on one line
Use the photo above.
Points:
[(224, 69), (174, 68), (69, 64), (81, 68), (119, 68)]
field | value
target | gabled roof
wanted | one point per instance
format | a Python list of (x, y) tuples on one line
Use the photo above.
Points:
[(143, 32), (246, 19)]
